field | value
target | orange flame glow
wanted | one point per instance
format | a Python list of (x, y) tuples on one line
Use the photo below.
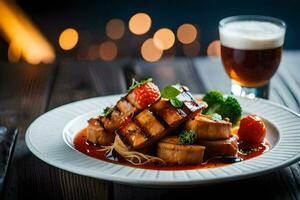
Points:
[(25, 40)]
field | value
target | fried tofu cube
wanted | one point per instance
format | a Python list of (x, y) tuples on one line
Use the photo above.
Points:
[(97, 135), (94, 130), (126, 108), (114, 121), (190, 103), (160, 105), (132, 99), (167, 112), (132, 134), (149, 123)]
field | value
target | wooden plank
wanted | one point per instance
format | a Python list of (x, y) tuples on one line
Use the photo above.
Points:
[(212, 74), (171, 71), (24, 94), (81, 80), (244, 189), (8, 137)]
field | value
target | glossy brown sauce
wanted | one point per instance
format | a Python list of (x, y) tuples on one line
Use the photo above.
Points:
[(81, 144)]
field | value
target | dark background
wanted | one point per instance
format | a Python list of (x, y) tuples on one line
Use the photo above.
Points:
[(89, 17)]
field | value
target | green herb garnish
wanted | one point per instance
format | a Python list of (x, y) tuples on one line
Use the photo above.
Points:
[(106, 111), (187, 137), (249, 151), (136, 84), (176, 103), (171, 92)]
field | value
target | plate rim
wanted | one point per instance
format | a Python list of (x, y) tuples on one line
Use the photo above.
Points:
[(153, 183)]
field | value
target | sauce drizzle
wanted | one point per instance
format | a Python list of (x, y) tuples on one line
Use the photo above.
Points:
[(82, 145)]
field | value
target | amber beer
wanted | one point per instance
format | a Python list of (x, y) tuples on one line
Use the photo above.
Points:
[(251, 68), (251, 50)]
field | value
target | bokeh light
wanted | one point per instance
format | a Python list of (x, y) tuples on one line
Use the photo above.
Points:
[(187, 33), (68, 39), (92, 52), (150, 52), (140, 23), (108, 51), (214, 49), (164, 38), (115, 29), (191, 49)]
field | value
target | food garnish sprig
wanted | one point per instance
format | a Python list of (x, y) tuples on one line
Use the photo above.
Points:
[(187, 137), (136, 83), (171, 92), (106, 111)]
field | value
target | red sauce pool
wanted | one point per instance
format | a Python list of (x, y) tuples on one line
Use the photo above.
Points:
[(92, 150)]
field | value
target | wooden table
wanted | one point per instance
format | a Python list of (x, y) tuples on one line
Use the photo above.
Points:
[(29, 91)]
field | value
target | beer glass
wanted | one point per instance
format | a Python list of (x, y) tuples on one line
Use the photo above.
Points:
[(251, 48)]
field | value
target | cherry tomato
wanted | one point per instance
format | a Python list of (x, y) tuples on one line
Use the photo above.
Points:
[(252, 130)]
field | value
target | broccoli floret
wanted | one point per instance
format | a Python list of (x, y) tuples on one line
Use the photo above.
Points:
[(213, 97), (231, 109), (187, 137), (227, 107)]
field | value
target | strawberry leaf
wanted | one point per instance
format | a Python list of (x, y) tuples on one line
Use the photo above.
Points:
[(136, 84)]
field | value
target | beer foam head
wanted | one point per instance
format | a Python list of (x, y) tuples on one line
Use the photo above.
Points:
[(251, 35)]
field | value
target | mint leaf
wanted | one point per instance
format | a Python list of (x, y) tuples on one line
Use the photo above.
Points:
[(170, 92), (216, 117), (136, 84), (106, 111), (176, 103)]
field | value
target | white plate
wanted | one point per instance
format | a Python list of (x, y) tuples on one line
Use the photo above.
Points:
[(50, 138)]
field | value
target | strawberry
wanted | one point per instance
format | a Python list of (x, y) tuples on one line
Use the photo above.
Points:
[(146, 94)]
